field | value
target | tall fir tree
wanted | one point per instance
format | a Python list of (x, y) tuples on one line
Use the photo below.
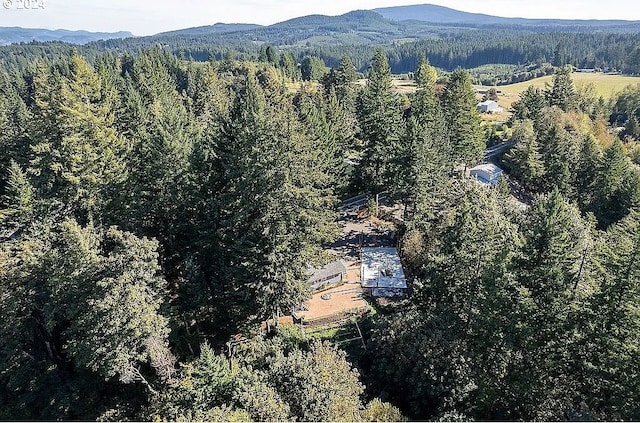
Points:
[(530, 104), (615, 186), (524, 158), (275, 207), (611, 325), (78, 158), (463, 120), (553, 273), (561, 92), (421, 169), (18, 203), (380, 124)]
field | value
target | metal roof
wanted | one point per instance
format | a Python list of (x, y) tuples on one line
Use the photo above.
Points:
[(331, 269), (487, 167), (382, 268)]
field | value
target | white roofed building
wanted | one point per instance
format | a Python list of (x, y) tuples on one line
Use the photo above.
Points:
[(487, 173), (489, 106), (381, 272)]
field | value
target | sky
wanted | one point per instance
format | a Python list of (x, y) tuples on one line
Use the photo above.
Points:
[(146, 17)]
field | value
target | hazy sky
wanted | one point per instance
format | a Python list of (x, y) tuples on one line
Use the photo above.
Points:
[(144, 17)]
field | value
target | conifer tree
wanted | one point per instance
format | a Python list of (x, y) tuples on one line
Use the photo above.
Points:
[(162, 137), (558, 154), (329, 125), (616, 188), (275, 205), (380, 123), (611, 324), (443, 345), (272, 55), (341, 80), (14, 125), (554, 274), (562, 93), (81, 314), (17, 205), (530, 104), (312, 68), (462, 118), (289, 66), (78, 156), (425, 168), (524, 158), (588, 165)]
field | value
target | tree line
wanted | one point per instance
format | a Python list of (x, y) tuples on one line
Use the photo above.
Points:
[(447, 49)]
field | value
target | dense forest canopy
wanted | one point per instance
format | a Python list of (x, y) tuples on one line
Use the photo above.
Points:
[(158, 203), (447, 49)]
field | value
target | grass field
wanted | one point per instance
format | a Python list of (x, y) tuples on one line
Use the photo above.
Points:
[(606, 85)]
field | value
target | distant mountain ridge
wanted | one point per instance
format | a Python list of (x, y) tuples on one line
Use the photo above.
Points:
[(383, 25), (218, 28), (359, 27), (13, 35), (445, 15)]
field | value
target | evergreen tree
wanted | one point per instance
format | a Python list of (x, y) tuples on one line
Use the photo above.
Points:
[(559, 157), (420, 167), (464, 131), (562, 93), (379, 118), (530, 104), (616, 188), (162, 134), (312, 68), (78, 156), (272, 55), (332, 130), (612, 326), (554, 276), (524, 159), (275, 207), (17, 205), (589, 160), (14, 125), (341, 80), (81, 311), (451, 345), (289, 66)]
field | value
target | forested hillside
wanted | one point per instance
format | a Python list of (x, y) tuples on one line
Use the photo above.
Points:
[(446, 48), (444, 15), (14, 35), (155, 211)]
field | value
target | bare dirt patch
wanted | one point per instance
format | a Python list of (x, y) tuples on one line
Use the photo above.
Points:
[(341, 299)]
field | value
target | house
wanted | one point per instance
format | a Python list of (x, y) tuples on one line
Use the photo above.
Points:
[(489, 106), (381, 272), (327, 276), (487, 173)]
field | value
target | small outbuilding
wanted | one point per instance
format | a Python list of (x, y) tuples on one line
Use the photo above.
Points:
[(489, 106), (381, 272), (328, 276), (487, 173)]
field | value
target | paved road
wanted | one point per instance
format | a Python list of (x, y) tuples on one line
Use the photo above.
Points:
[(356, 203), (497, 149)]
